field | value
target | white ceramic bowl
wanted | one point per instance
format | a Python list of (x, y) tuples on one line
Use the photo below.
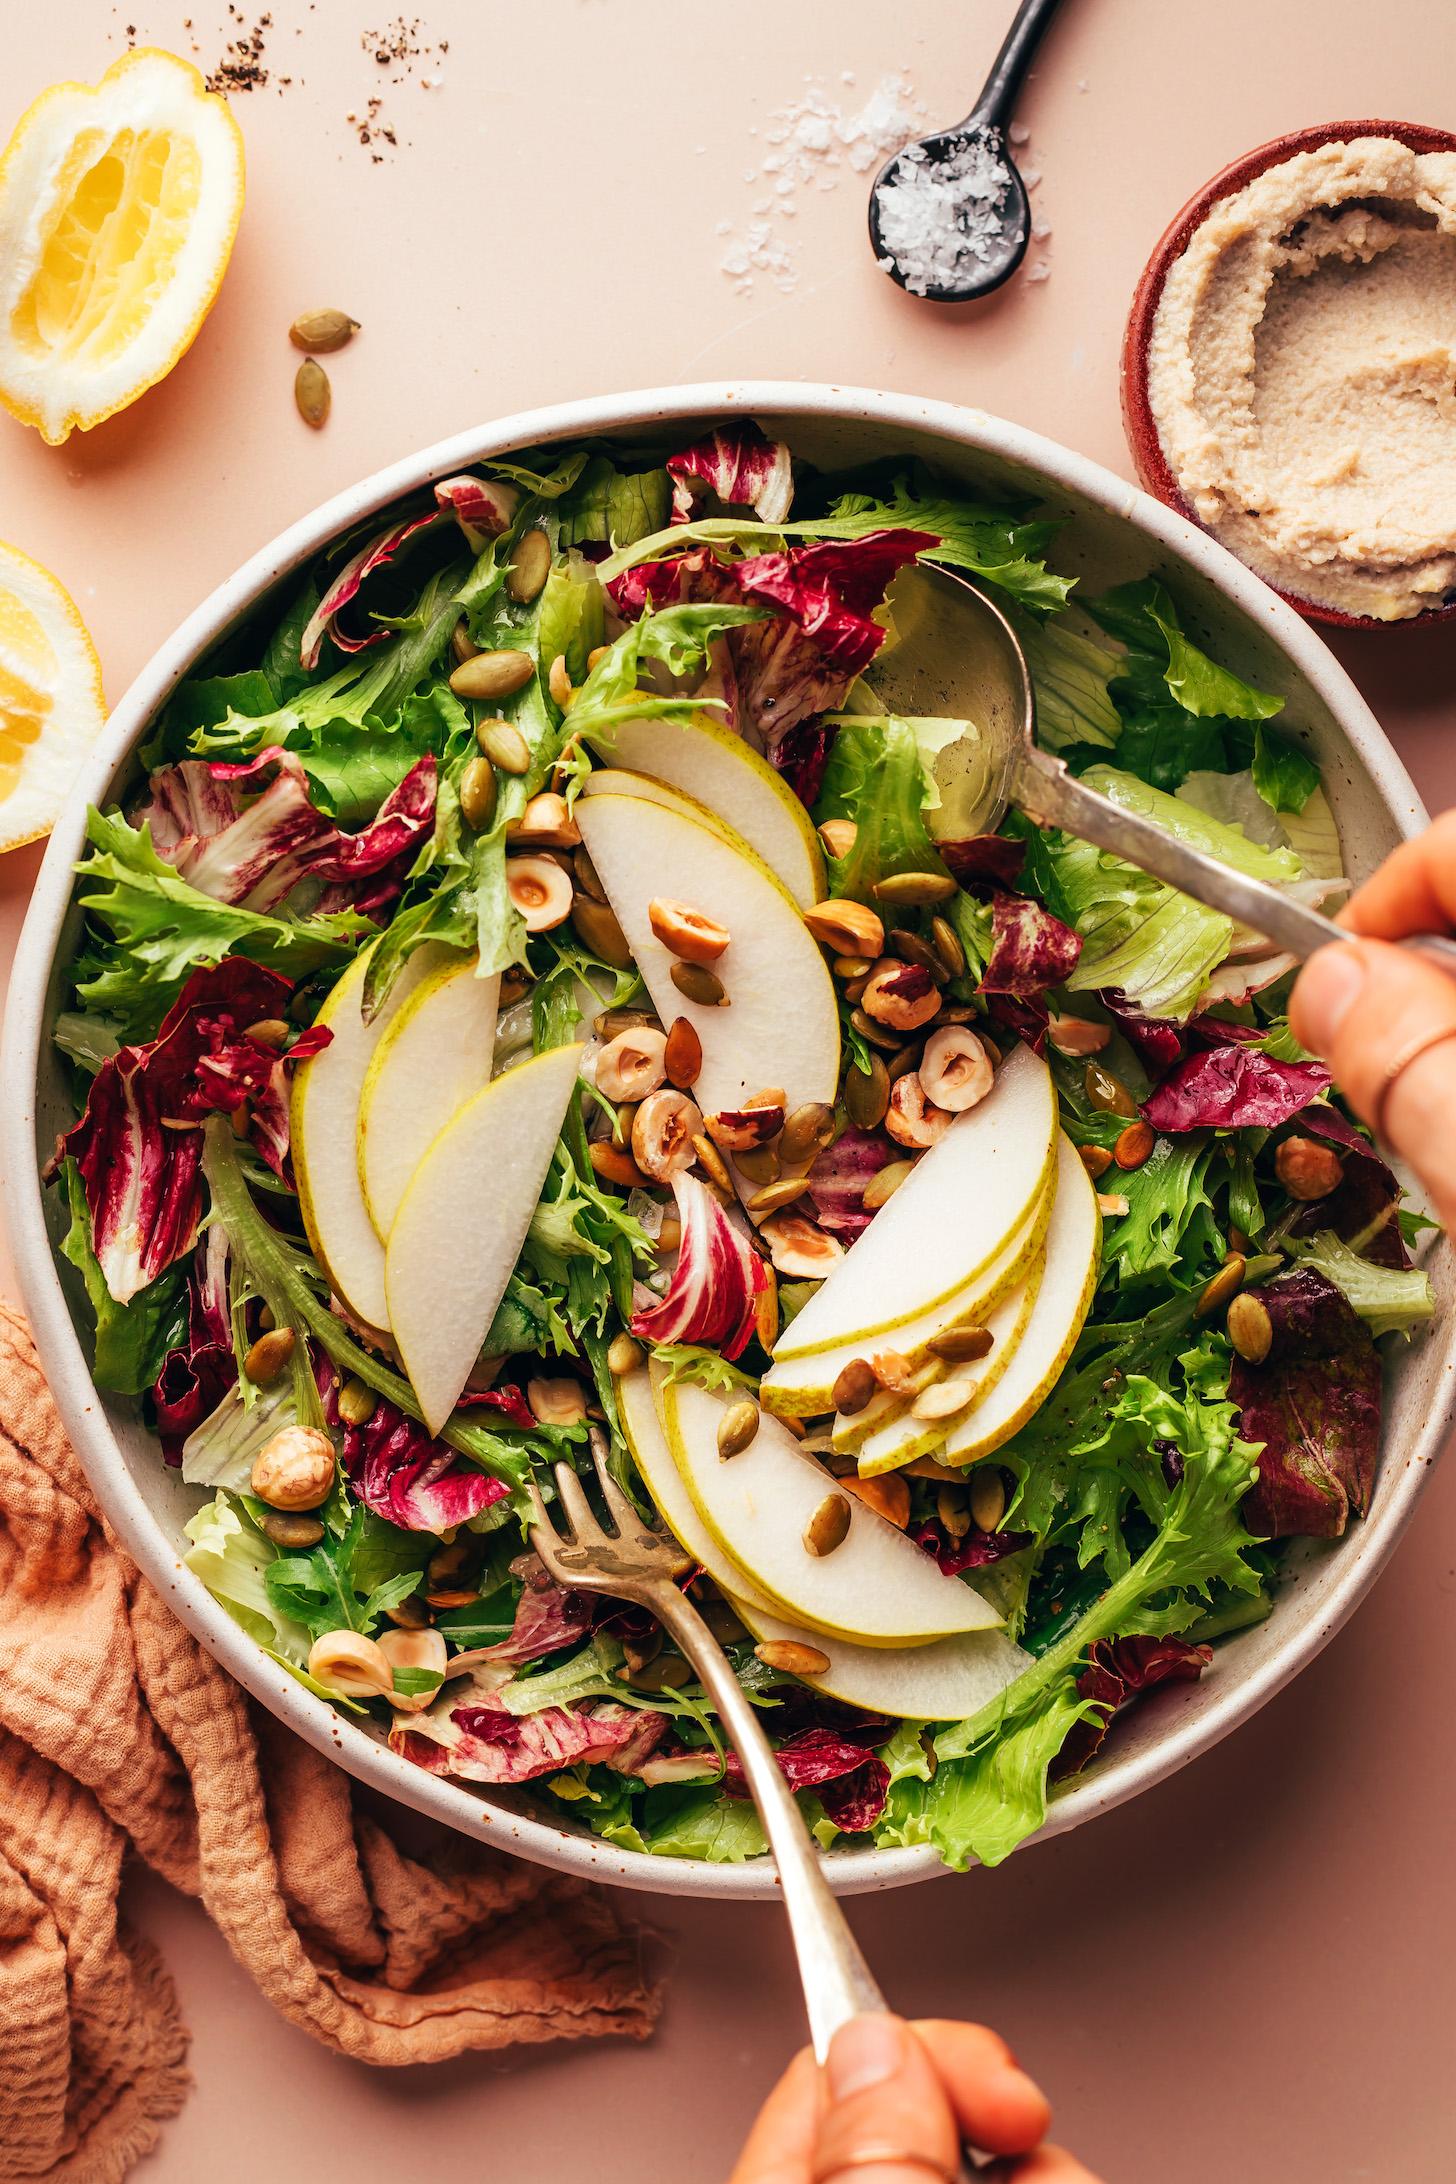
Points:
[(1115, 532)]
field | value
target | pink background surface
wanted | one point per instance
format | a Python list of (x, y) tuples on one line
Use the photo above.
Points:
[(1250, 1971)]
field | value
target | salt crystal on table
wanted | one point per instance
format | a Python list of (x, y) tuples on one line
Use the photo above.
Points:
[(1040, 272), (1040, 231), (1019, 133)]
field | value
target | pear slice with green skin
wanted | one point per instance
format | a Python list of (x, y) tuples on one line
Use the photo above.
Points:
[(323, 1121), (945, 1680), (1074, 1261), (803, 1387), (889, 1443), (462, 1221), (947, 1222), (435, 1055), (876, 1588), (781, 1026), (719, 770)]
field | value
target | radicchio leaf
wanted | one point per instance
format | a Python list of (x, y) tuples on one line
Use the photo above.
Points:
[(195, 1377), (1157, 1043), (1118, 1670), (715, 1284), (1030, 949), (1314, 1403), (547, 1616), (852, 1783), (973, 1551), (838, 1177), (466, 1733), (323, 622), (1363, 1209), (831, 588), (400, 1472), (138, 1146), (1234, 1087), (984, 859), (740, 467), (251, 850), (482, 507)]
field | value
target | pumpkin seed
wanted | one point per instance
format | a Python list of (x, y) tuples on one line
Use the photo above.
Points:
[(759, 1165), (288, 1528), (712, 1163), (597, 927), (1134, 1145), (462, 644), (958, 1345), (910, 948), (530, 567), (791, 1657), (1224, 1286), (699, 984), (312, 393), (1107, 1093), (942, 1399), (503, 744), (1096, 1159), (884, 1184), (321, 332), (269, 1031), (854, 1386), (669, 1672), (807, 1131), (357, 1403), (492, 674), (828, 1528), (624, 1355), (1250, 1329), (268, 1356), (773, 1196), (852, 966), (867, 1094), (951, 1509), (988, 1500), (584, 872), (737, 1427), (478, 794), (879, 1035), (911, 890), (946, 942), (766, 1307)]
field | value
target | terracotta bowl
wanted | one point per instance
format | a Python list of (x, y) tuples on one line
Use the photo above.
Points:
[(1137, 415), (1111, 533)]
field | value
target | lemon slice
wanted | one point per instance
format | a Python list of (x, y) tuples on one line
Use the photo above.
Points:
[(51, 707), (118, 208)]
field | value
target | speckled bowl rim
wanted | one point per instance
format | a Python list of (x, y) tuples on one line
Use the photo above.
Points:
[(65, 1362)]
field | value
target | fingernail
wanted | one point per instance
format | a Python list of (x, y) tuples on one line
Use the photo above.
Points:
[(1329, 986), (864, 2052)]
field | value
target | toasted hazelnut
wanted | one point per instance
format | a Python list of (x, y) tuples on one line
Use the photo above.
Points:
[(799, 1248), (849, 928), (540, 890), (838, 836), (902, 996), (556, 1402), (911, 1118), (1077, 1035), (888, 1496), (632, 1065), (413, 1649), (740, 1129), (663, 1130), (955, 1069), (1307, 1168), (295, 1470), (351, 1663), (692, 937), (546, 823)]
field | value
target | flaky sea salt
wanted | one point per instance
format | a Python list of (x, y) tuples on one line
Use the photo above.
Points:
[(940, 216)]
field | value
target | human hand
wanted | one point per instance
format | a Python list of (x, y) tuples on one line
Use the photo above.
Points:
[(892, 2106), (1384, 1018)]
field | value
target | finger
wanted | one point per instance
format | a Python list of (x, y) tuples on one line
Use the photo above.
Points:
[(887, 2119), (996, 2105), (780, 2146), (1363, 1007), (1414, 891), (1048, 2165)]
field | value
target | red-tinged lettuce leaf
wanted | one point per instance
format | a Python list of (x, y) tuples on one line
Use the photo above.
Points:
[(138, 1147), (972, 1552), (1156, 1042), (740, 467), (1363, 1208), (1119, 1670), (482, 507), (196, 1376), (484, 1743), (379, 550), (400, 1472), (716, 1283), (1030, 949), (547, 1616), (247, 834), (979, 860), (838, 1177), (1314, 1403), (832, 588), (851, 1782), (1234, 1087)]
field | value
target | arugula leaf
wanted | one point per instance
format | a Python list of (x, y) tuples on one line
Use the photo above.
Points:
[(324, 1590), (131, 1339)]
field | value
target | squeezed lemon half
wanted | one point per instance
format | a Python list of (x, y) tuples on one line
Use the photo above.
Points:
[(118, 208), (51, 707)]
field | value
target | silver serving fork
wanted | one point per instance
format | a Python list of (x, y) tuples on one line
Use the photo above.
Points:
[(644, 1566)]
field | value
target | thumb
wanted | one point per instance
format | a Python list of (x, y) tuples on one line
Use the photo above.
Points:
[(887, 2120)]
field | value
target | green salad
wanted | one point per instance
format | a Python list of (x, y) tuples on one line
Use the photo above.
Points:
[(539, 1004)]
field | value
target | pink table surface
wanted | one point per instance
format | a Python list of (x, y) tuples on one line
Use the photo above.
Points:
[(1250, 1971)]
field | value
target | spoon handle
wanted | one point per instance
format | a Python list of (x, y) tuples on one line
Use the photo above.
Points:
[(1052, 797), (1011, 63)]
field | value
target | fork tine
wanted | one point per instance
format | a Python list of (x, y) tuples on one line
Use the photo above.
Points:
[(576, 1506), (624, 1516)]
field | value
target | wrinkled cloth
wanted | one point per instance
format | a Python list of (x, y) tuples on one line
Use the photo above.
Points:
[(120, 1734)]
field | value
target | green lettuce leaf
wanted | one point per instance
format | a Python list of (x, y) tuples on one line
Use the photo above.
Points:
[(1143, 616), (983, 1807), (613, 507), (874, 776), (232, 1557), (1283, 775), (1390, 1299), (1071, 672)]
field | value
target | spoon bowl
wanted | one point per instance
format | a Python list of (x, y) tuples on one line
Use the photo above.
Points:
[(949, 215)]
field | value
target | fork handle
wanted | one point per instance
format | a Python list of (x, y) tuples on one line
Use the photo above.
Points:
[(838, 1984)]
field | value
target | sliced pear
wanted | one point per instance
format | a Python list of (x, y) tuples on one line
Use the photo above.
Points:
[(781, 1025), (323, 1126), (1073, 1263), (434, 1056), (876, 1588), (945, 1680), (616, 781), (462, 1221), (718, 769), (803, 1387), (949, 1219), (899, 1440)]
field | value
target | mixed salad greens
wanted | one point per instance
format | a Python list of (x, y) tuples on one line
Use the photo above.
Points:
[(394, 789)]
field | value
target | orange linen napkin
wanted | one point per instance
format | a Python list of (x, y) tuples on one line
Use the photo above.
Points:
[(118, 1731)]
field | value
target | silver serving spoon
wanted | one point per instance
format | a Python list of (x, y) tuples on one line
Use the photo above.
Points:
[(961, 186), (957, 658)]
